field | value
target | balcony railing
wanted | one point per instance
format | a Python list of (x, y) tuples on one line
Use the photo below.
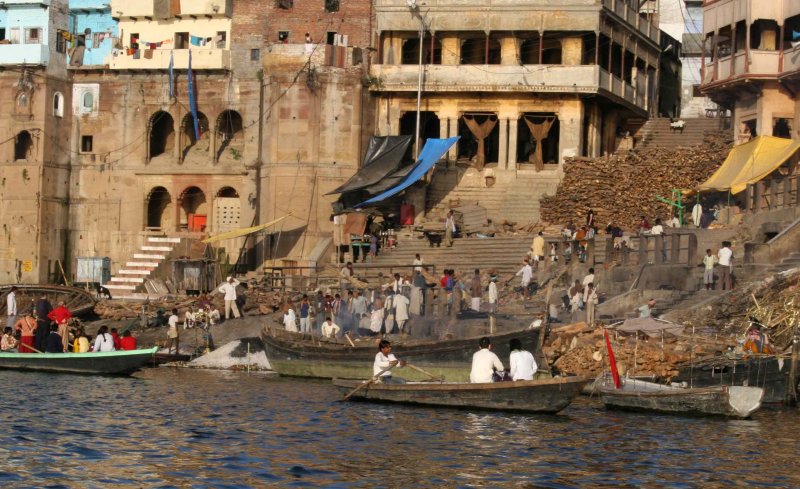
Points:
[(188, 8), (735, 65), (158, 59), (31, 54)]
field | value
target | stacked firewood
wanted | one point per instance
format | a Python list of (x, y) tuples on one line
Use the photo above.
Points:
[(581, 350), (622, 188)]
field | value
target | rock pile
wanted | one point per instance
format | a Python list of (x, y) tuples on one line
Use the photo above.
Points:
[(624, 187)]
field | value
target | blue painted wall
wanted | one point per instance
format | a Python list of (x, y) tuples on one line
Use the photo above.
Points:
[(21, 16), (94, 15)]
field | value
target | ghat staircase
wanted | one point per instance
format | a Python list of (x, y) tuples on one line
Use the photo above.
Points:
[(131, 278), (657, 133)]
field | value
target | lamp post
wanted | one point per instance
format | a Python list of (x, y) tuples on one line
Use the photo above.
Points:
[(412, 5)]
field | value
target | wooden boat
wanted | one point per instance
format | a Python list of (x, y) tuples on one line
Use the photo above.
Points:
[(304, 355), (640, 395), (162, 358), (112, 362), (77, 300), (530, 396), (766, 371)]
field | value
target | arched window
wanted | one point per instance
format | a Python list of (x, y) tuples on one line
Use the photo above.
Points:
[(87, 102), (58, 104), (162, 133), (22, 145)]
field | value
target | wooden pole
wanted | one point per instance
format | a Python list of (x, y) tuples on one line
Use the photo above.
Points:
[(371, 381), (612, 361), (418, 369)]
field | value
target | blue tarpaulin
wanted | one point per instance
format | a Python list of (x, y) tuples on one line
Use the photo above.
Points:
[(433, 150)]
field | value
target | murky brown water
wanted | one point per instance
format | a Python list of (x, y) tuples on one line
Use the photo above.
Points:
[(169, 428)]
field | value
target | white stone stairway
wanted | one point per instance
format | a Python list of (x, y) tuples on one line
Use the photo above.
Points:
[(127, 280)]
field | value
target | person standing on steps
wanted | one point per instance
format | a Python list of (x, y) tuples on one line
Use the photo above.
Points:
[(725, 260), (449, 228), (11, 307), (708, 269), (537, 249), (229, 289), (476, 291)]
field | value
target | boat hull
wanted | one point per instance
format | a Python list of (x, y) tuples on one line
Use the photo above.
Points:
[(77, 300), (303, 355), (530, 396), (767, 372), (110, 363), (638, 395)]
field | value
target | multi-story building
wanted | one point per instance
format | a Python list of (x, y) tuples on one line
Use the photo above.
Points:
[(34, 138), (94, 31), (751, 63)]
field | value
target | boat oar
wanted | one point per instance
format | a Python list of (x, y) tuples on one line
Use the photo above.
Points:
[(434, 377), (371, 381)]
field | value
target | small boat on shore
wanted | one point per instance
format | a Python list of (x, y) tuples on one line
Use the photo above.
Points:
[(529, 396), (111, 363), (78, 301), (304, 355), (640, 395)]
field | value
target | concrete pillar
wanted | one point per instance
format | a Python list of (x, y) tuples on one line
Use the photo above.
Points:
[(451, 49), (453, 123), (571, 51), (509, 51), (443, 125), (502, 158), (593, 143), (513, 126)]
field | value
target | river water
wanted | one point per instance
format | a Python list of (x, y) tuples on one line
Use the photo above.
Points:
[(181, 428)]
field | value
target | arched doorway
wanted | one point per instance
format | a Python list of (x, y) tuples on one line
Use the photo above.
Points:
[(229, 131), (23, 143), (158, 204), (227, 210), (162, 133), (193, 210), (189, 137)]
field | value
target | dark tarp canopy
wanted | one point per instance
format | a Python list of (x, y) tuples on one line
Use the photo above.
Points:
[(384, 155)]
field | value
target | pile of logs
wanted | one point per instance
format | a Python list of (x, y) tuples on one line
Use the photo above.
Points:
[(623, 187), (580, 350)]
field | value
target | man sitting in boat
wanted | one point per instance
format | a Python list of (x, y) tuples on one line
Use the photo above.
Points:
[(8, 343), (522, 364), (484, 363), (127, 342), (384, 362), (54, 344)]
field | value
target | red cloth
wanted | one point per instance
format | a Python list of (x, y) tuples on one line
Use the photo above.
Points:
[(60, 314), (24, 342), (116, 341), (127, 343)]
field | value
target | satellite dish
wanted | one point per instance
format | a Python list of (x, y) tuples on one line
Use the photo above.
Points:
[(411, 3)]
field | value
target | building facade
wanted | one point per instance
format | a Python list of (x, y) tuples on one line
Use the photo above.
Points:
[(751, 64)]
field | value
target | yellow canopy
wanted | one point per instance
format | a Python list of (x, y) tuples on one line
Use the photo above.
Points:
[(750, 162), (236, 233)]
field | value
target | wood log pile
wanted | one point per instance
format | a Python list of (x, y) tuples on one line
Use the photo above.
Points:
[(580, 350), (623, 187)]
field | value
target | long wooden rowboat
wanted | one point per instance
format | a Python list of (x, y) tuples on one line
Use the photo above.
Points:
[(530, 396), (304, 355), (766, 371), (77, 300), (640, 395), (112, 362)]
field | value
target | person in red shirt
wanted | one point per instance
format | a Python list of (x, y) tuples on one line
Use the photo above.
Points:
[(115, 335), (127, 342), (61, 315)]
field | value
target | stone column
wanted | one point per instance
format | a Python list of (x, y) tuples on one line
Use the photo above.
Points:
[(443, 125), (571, 51), (502, 157), (513, 127), (451, 49), (509, 51), (452, 119)]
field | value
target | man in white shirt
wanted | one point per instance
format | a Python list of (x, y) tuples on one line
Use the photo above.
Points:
[(329, 328), (588, 279), (11, 307), (384, 362), (417, 263), (401, 303), (658, 231), (493, 294), (527, 275), (522, 364), (725, 260), (708, 269), (484, 363), (172, 332), (229, 289), (289, 319), (449, 229)]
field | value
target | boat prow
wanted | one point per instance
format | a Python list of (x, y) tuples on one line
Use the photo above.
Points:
[(110, 363), (744, 401)]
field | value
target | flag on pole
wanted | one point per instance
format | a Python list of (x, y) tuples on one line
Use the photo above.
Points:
[(171, 76), (193, 99)]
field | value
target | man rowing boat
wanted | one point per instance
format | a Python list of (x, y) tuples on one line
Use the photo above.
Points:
[(384, 362)]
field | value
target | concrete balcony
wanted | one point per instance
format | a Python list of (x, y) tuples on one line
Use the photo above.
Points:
[(492, 78), (188, 9), (763, 64), (722, 13), (29, 54), (202, 59), (43, 3), (791, 62)]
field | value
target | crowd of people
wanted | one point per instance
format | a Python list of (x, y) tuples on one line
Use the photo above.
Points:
[(44, 329)]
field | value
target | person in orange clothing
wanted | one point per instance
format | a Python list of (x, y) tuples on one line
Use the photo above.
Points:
[(61, 316), (127, 342)]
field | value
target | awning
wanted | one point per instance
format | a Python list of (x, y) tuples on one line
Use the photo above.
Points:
[(750, 162), (434, 149), (237, 233), (384, 155)]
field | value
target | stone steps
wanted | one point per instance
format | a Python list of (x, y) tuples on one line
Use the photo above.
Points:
[(141, 266)]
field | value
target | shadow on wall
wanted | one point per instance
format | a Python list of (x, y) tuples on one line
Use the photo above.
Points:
[(443, 182)]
